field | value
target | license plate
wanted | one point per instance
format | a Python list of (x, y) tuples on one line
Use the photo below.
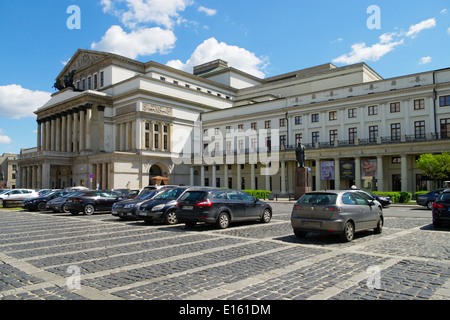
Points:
[(312, 223), (188, 207)]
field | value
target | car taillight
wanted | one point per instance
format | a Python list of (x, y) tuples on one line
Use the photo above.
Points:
[(438, 206), (333, 209), (206, 203)]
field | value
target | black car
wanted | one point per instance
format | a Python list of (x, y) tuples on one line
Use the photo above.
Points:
[(126, 193), (90, 202), (126, 209), (428, 199), (40, 203), (221, 207), (441, 209), (59, 204), (163, 207), (383, 200)]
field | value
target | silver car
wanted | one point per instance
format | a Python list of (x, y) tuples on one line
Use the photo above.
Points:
[(336, 212)]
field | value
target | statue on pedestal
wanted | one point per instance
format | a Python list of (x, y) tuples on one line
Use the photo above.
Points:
[(300, 152)]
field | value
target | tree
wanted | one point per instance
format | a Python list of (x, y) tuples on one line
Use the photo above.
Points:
[(435, 166)]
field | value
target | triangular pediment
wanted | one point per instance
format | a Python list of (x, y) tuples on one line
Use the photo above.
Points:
[(82, 59)]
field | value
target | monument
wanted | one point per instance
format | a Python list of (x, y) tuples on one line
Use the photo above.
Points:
[(302, 174)]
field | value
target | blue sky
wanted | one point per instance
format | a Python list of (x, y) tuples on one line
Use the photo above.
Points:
[(265, 38)]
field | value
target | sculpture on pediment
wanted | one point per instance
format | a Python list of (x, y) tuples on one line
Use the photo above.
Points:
[(67, 83)]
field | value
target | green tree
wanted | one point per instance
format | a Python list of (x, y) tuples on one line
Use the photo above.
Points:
[(435, 166)]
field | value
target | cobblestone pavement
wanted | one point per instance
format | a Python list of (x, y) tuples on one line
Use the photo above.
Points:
[(43, 255)]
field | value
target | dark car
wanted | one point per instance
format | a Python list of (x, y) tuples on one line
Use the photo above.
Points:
[(59, 204), (90, 202), (126, 209), (428, 199), (221, 207), (163, 207), (441, 209), (385, 201), (40, 203), (126, 193)]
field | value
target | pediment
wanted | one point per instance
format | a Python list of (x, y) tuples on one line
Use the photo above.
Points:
[(82, 59)]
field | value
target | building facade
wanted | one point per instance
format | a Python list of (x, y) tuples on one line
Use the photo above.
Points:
[(124, 121)]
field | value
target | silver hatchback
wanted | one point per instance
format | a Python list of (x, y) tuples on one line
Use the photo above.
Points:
[(336, 212)]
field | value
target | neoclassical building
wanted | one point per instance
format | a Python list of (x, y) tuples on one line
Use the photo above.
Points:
[(123, 122)]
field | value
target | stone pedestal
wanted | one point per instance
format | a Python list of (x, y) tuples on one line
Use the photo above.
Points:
[(303, 182)]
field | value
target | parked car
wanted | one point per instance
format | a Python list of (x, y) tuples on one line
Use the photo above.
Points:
[(59, 204), (385, 201), (90, 202), (429, 198), (126, 209), (17, 194), (126, 193), (163, 207), (441, 209), (157, 187), (221, 207), (40, 203), (336, 212)]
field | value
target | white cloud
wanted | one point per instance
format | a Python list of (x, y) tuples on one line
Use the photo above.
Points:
[(361, 52), (425, 60), (448, 30), (417, 28), (4, 139), (444, 11), (134, 12), (141, 42), (17, 102), (236, 57), (209, 12)]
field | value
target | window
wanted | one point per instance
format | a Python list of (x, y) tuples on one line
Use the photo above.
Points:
[(83, 85), (333, 136), (444, 101), (283, 140), (315, 117), (373, 133), (373, 110), (395, 107), (228, 129), (282, 123), (240, 127), (445, 128), (254, 126), (267, 124), (162, 78), (352, 134), (254, 143), (89, 83), (95, 81), (187, 86), (298, 138), (147, 135), (175, 82), (352, 113), (315, 137), (269, 142), (298, 120), (102, 79), (395, 131), (419, 104), (419, 129), (217, 131), (332, 115)]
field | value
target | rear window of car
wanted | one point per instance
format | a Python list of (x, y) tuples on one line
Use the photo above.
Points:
[(194, 195), (444, 196), (318, 199)]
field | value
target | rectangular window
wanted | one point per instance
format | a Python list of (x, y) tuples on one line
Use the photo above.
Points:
[(395, 107), (240, 127), (254, 126), (373, 110), (283, 140), (298, 138), (444, 101), (315, 117), (83, 85), (373, 134), (332, 115), (419, 129), (298, 120), (156, 143), (396, 132), (282, 123), (102, 79), (419, 104), (352, 135), (95, 81), (89, 83), (352, 113), (267, 124), (445, 128), (333, 136), (315, 137)]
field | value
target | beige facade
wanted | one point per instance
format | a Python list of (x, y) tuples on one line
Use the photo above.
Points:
[(126, 121)]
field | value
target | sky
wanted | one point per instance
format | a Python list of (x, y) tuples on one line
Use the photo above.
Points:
[(262, 37)]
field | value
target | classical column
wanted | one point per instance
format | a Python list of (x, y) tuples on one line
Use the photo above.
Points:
[(337, 174), (404, 172), (64, 131), (380, 174), (202, 176), (133, 132), (283, 177), (214, 176), (82, 132), (318, 180), (76, 127), (39, 176), (122, 137), (39, 129), (169, 137), (127, 135), (34, 176), (53, 133), (69, 134), (225, 176), (252, 177), (101, 128), (58, 132), (152, 138), (88, 125), (358, 172), (191, 176), (29, 178), (44, 135), (104, 176), (239, 176)]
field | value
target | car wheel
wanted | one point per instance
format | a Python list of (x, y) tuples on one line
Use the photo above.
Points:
[(41, 206), (64, 209), (349, 232), (223, 221), (171, 218), (89, 210), (379, 228), (430, 205), (267, 216)]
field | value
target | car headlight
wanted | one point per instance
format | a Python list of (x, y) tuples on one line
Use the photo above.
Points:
[(158, 207), (128, 206)]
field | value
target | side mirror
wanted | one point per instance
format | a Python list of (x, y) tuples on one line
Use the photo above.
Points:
[(371, 203)]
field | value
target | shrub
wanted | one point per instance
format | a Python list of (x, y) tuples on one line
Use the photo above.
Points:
[(260, 194), (396, 197)]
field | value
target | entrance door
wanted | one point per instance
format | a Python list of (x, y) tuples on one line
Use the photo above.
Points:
[(396, 182)]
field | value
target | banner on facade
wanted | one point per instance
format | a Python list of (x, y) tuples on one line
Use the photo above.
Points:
[(347, 169), (327, 170), (369, 168)]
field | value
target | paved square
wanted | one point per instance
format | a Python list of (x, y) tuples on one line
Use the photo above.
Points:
[(41, 254)]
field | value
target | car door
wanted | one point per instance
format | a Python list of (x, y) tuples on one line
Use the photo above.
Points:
[(369, 215), (252, 210), (352, 210), (234, 202)]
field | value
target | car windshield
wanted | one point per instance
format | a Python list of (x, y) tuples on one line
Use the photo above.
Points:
[(171, 194), (146, 196), (445, 196), (318, 199), (194, 195)]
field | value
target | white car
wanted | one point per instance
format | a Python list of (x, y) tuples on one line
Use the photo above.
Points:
[(17, 194)]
